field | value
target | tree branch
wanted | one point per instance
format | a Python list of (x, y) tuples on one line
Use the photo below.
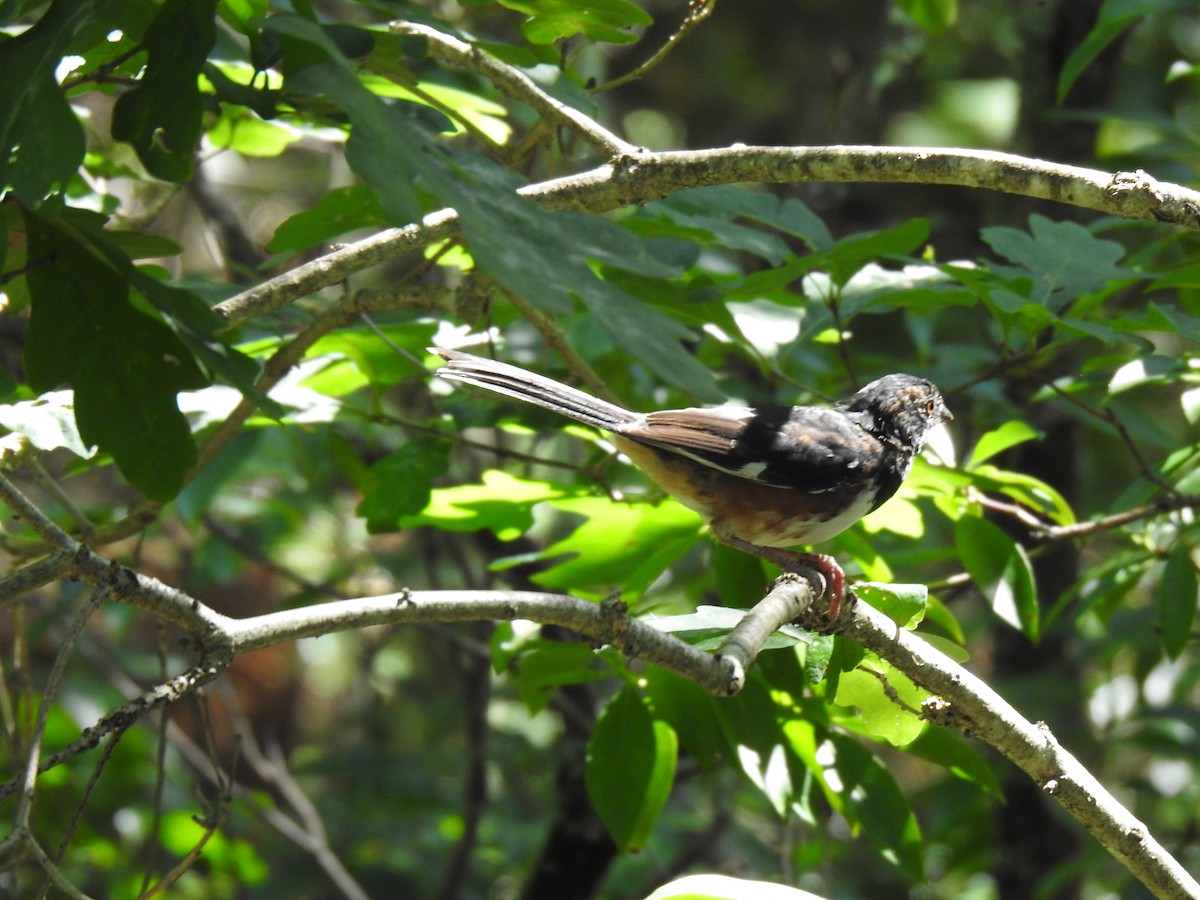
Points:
[(649, 176), (608, 623), (516, 84), (967, 703)]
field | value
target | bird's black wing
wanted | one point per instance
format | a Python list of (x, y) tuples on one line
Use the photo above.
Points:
[(807, 448)]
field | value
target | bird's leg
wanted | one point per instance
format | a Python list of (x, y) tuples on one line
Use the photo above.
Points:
[(794, 561)]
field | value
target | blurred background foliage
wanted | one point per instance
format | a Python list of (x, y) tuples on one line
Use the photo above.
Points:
[(222, 144)]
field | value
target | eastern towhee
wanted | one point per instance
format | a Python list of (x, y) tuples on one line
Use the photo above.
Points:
[(765, 477)]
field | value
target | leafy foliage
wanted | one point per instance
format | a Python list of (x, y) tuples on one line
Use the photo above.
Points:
[(259, 417)]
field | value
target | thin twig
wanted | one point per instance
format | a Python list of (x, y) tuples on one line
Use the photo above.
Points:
[(516, 84), (49, 693), (1107, 415), (554, 337), (698, 11)]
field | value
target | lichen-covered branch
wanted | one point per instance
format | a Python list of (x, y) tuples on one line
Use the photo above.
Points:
[(966, 702), (647, 176)]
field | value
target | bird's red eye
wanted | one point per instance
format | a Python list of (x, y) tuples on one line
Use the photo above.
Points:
[(930, 406)]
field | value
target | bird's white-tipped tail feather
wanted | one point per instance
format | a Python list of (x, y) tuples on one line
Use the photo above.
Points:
[(532, 388)]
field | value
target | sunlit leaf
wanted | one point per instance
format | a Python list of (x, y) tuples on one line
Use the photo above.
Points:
[(623, 546), (724, 887), (904, 604), (48, 422), (999, 439), (502, 503), (1001, 571), (887, 701), (602, 20)]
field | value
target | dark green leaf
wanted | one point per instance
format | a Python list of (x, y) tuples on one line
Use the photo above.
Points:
[(542, 666), (944, 748), (41, 140), (688, 709), (1000, 570), (545, 256), (337, 212), (190, 317), (125, 366), (1177, 600), (1115, 16), (161, 117), (879, 805), (849, 255), (630, 768), (1062, 257), (402, 482)]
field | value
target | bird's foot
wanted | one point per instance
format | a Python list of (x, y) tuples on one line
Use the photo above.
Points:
[(804, 564)]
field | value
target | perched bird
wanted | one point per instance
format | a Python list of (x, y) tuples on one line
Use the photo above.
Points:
[(766, 477)]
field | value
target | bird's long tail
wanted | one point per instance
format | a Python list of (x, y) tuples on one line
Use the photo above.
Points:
[(532, 388)]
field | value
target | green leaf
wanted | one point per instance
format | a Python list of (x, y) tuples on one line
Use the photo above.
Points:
[(1177, 600), (891, 714), (502, 503), (377, 360), (630, 768), (48, 422), (1001, 571), (543, 666), (402, 482), (708, 626), (619, 545), (725, 887), (161, 117), (388, 146), (189, 316), (125, 366), (935, 16), (689, 710), (998, 440), (600, 20), (755, 743), (949, 750), (41, 141), (904, 604), (244, 132), (546, 256), (713, 210), (851, 254), (1026, 490), (1115, 16), (337, 212), (878, 805), (1064, 258)]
